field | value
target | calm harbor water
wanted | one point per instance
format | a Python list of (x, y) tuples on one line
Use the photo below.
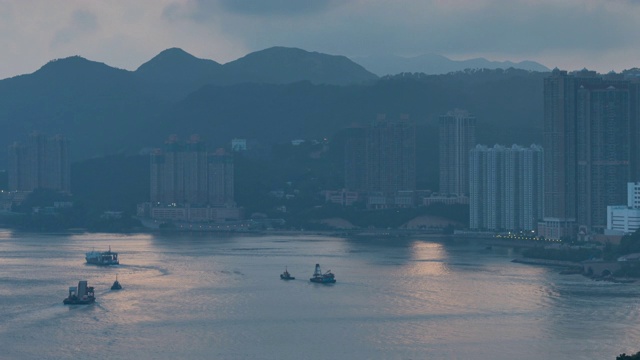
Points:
[(212, 296)]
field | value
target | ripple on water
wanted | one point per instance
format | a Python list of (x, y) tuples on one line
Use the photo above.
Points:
[(221, 297)]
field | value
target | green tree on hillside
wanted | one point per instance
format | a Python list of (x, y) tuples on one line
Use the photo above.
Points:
[(624, 356)]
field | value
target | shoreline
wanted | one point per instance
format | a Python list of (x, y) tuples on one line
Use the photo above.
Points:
[(545, 262)]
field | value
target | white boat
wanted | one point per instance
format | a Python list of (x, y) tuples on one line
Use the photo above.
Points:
[(102, 258)]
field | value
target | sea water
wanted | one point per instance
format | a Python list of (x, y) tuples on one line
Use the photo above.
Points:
[(214, 296)]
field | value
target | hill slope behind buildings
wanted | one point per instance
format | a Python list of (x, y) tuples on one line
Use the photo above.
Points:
[(272, 95)]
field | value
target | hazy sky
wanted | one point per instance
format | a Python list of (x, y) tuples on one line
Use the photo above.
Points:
[(570, 34)]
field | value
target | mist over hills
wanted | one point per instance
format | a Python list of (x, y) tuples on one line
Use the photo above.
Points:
[(271, 96), (433, 64)]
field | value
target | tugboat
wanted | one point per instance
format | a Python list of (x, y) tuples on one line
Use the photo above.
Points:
[(81, 295), (319, 277), (116, 285), (286, 276), (102, 258)]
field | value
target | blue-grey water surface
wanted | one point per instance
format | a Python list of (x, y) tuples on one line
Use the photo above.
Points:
[(212, 296)]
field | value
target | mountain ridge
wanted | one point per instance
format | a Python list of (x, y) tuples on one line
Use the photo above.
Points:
[(280, 64), (176, 62)]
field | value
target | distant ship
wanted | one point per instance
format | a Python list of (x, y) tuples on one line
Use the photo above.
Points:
[(116, 285), (102, 258), (286, 276), (80, 295), (319, 277)]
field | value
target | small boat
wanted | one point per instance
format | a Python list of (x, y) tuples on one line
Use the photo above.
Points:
[(80, 295), (116, 285), (319, 277), (286, 276), (102, 258)]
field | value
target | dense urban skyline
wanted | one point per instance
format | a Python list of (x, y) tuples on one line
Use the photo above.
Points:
[(126, 34)]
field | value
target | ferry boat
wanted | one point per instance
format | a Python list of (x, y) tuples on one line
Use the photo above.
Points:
[(80, 295), (286, 276), (102, 258), (116, 285), (319, 277)]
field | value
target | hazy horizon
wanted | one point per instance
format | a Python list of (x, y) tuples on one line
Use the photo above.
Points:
[(127, 35)]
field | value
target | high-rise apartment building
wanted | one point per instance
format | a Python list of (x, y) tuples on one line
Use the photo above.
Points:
[(355, 167), (590, 135), (220, 178), (189, 174), (391, 155), (167, 173), (195, 170), (380, 160), (603, 151), (41, 163), (505, 187), (457, 138)]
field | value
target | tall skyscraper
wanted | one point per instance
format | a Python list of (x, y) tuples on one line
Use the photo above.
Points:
[(172, 174), (43, 163), (506, 190), (380, 160), (57, 164), (355, 167), (560, 155), (603, 151), (457, 138), (220, 178), (157, 184), (390, 155), (195, 168), (590, 133), (18, 170)]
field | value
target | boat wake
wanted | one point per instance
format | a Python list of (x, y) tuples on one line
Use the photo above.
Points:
[(163, 271)]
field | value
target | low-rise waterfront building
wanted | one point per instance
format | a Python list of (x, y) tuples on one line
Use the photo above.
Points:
[(342, 197), (188, 213), (446, 200), (625, 219)]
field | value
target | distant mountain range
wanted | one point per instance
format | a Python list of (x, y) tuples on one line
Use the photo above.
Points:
[(432, 64), (273, 95), (174, 68)]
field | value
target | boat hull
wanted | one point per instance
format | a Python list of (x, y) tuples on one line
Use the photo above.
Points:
[(99, 263), (282, 277), (104, 258), (322, 281), (88, 301)]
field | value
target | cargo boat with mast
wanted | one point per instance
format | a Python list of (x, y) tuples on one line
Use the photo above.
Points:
[(319, 277), (81, 295)]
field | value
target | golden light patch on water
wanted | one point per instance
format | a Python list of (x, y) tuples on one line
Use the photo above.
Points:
[(6, 234), (427, 259)]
